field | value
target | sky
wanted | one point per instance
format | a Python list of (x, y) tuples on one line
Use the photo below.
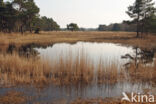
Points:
[(86, 13)]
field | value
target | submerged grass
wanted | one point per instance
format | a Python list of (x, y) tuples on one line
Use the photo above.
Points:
[(109, 74), (67, 71), (15, 69), (108, 101), (146, 73), (13, 97)]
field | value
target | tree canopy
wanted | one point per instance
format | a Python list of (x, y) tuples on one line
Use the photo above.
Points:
[(48, 24), (73, 27), (23, 15), (124, 26), (142, 12)]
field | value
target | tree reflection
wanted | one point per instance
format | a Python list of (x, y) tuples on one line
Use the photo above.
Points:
[(24, 50), (140, 56)]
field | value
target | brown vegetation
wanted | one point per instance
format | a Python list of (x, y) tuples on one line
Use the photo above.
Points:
[(46, 38), (105, 101), (115, 100), (13, 98), (146, 73), (66, 71), (20, 70), (114, 75), (15, 69)]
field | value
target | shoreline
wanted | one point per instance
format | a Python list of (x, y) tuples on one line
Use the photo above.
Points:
[(48, 38)]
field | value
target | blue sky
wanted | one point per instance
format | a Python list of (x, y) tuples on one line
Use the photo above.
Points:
[(86, 13)]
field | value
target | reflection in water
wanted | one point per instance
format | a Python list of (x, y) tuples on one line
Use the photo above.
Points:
[(27, 51), (11, 48), (139, 57), (95, 52), (106, 53), (24, 50), (52, 93)]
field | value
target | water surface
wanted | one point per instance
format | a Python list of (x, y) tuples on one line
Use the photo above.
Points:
[(106, 53), (95, 52)]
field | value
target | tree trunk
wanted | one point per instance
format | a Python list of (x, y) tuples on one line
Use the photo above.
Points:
[(30, 30), (138, 18), (137, 29), (21, 29)]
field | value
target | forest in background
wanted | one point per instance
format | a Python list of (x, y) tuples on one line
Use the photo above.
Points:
[(143, 14), (23, 15)]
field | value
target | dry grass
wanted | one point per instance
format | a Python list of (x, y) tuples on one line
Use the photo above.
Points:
[(143, 73), (72, 71), (68, 71), (109, 74), (19, 70), (105, 101), (16, 70), (114, 100), (46, 38), (13, 98)]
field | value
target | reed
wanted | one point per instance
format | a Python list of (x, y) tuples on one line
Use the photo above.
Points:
[(13, 97), (73, 71), (66, 71), (16, 70), (109, 73), (146, 73)]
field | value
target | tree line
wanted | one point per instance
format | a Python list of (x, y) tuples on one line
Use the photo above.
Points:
[(118, 27), (143, 14), (22, 16)]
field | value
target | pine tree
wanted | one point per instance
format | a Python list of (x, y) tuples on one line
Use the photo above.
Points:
[(136, 12), (141, 12), (148, 12), (1, 14), (27, 11)]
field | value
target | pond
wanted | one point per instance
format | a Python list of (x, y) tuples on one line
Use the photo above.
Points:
[(95, 53)]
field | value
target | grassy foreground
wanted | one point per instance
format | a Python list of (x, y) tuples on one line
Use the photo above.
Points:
[(46, 38), (20, 70), (19, 98)]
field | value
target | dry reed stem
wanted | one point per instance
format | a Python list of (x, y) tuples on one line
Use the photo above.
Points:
[(19, 70), (13, 98), (143, 73), (15, 69)]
